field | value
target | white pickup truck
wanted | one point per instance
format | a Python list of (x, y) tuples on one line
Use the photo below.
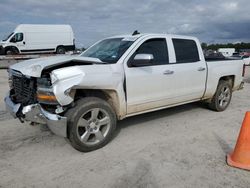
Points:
[(82, 97)]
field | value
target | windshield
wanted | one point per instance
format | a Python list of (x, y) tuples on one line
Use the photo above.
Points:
[(6, 38), (108, 50)]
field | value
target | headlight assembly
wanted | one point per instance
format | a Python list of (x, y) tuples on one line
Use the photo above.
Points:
[(46, 96)]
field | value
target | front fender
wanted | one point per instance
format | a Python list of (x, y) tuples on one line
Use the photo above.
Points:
[(66, 79), (92, 77)]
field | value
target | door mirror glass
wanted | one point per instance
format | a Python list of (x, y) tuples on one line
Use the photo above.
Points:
[(142, 60)]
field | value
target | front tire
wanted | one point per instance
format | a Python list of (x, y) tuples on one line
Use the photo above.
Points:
[(11, 51), (222, 96), (91, 124)]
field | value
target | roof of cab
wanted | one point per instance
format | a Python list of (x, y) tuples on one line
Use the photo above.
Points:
[(152, 35)]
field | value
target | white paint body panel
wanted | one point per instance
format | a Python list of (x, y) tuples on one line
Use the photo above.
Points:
[(148, 87), (218, 69)]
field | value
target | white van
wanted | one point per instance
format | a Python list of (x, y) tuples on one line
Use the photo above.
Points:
[(33, 38)]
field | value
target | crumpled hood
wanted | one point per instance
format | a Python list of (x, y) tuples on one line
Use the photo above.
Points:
[(34, 67)]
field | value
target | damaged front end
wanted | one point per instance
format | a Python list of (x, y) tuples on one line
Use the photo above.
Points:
[(41, 91), (31, 99)]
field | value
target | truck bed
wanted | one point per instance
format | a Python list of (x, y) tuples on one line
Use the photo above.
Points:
[(220, 68)]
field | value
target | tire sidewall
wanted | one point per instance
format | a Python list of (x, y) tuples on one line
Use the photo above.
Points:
[(218, 91), (82, 107), (60, 50), (11, 51)]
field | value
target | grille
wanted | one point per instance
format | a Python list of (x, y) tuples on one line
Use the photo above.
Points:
[(24, 89)]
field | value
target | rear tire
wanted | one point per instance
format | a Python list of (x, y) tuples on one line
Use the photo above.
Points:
[(222, 96), (91, 124), (60, 50)]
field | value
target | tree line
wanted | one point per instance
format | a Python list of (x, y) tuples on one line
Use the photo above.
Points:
[(237, 46)]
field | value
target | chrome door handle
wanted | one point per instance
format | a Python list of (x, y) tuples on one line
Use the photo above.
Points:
[(201, 69), (167, 72)]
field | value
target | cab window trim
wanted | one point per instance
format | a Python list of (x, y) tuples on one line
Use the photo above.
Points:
[(135, 51), (186, 61)]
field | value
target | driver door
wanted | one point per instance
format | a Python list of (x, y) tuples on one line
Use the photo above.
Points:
[(146, 85), (18, 39)]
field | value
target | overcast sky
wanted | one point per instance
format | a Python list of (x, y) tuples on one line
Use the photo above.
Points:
[(211, 21)]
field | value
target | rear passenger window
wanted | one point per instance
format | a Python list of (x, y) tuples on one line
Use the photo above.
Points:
[(156, 47), (185, 50)]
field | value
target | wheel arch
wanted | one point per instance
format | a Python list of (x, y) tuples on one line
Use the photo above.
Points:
[(58, 46), (10, 48), (229, 78), (111, 96), (212, 91)]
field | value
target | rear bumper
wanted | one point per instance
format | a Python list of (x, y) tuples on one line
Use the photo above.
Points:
[(35, 113)]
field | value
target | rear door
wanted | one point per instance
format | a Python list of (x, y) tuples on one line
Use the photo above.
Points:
[(189, 70)]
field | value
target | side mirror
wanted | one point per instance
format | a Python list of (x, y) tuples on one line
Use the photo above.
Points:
[(142, 60)]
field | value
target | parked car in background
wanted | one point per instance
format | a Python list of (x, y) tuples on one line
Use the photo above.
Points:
[(211, 55), (82, 97), (33, 38)]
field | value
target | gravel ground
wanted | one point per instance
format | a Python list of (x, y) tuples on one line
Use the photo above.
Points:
[(178, 147)]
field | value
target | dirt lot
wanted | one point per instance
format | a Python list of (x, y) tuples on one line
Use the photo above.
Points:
[(183, 146)]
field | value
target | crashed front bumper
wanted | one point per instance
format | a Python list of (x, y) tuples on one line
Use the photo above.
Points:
[(35, 113)]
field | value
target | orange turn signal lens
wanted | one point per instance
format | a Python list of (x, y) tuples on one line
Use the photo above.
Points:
[(43, 97)]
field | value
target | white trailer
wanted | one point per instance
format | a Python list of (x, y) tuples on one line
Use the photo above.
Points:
[(34, 38)]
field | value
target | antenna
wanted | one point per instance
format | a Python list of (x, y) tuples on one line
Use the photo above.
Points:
[(136, 32)]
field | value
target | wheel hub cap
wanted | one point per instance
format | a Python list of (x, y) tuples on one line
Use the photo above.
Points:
[(93, 126), (224, 96)]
